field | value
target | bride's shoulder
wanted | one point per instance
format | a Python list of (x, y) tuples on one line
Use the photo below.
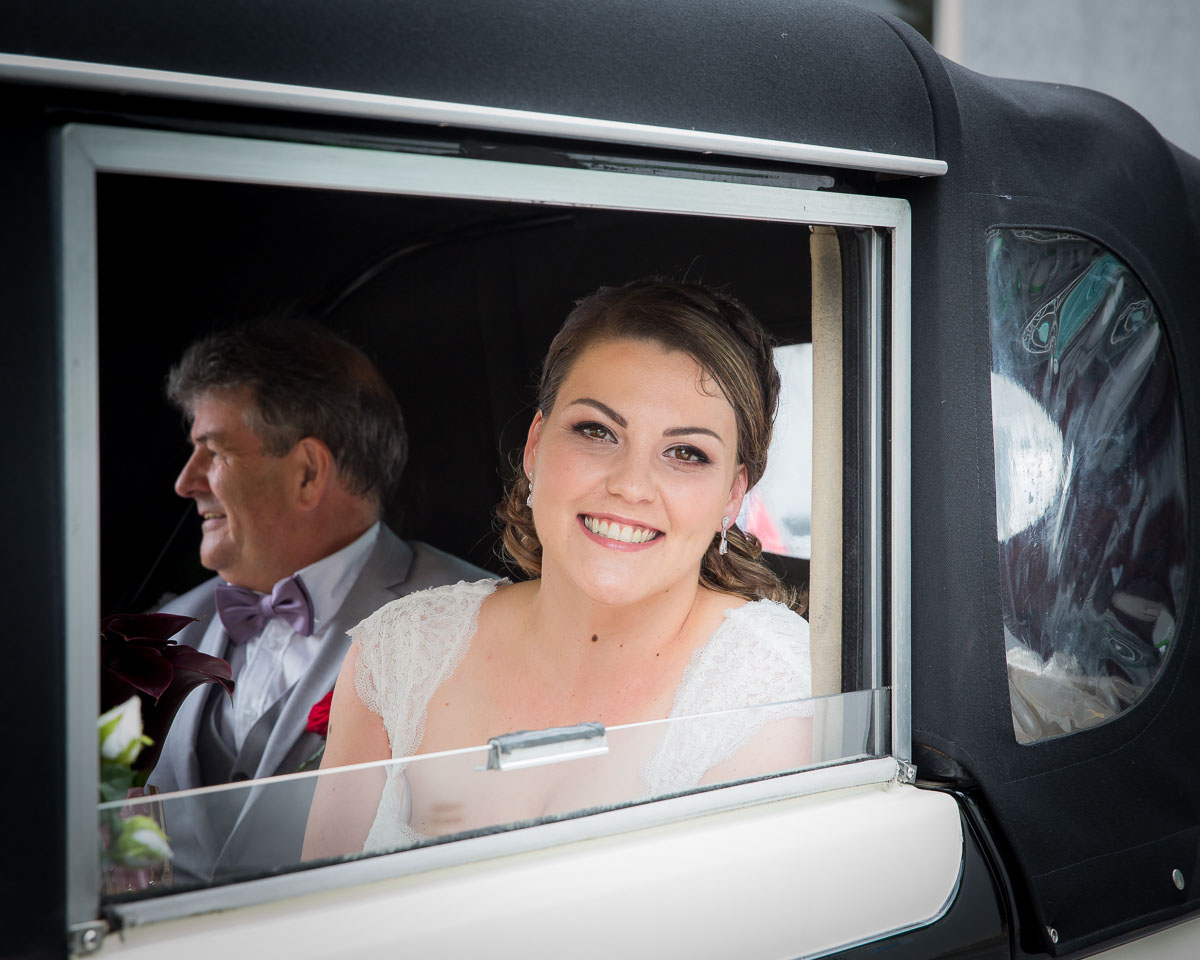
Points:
[(738, 615), (508, 599), (768, 625), (433, 607), (759, 653)]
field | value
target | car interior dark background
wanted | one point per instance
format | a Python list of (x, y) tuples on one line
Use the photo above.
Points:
[(455, 301)]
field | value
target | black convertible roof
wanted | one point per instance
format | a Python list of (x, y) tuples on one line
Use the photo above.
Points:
[(820, 73)]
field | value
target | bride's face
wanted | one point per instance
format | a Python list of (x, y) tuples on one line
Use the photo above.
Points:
[(634, 469)]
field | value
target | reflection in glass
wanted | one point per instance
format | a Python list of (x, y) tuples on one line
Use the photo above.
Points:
[(453, 794), (1090, 504), (1029, 445)]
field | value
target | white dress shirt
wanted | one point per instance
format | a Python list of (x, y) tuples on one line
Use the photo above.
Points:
[(265, 667)]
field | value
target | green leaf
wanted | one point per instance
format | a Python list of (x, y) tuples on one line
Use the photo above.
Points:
[(133, 748), (115, 781), (314, 760)]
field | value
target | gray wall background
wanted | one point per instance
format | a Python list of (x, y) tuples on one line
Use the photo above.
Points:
[(1144, 52)]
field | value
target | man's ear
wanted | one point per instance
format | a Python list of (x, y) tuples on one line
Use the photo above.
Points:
[(529, 460), (315, 471), (736, 494)]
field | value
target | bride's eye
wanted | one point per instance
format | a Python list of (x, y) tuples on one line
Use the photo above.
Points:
[(687, 453), (596, 431)]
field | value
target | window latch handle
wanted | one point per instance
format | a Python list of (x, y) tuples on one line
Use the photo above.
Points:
[(533, 748)]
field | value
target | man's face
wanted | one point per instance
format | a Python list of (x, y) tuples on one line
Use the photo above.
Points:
[(244, 497)]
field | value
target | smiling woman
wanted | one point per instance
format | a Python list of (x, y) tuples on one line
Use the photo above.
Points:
[(650, 486), (654, 416), (721, 353)]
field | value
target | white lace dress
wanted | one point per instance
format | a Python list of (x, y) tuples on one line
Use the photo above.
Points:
[(758, 655)]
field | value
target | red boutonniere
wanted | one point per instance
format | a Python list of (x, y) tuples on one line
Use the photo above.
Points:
[(318, 716), (318, 723)]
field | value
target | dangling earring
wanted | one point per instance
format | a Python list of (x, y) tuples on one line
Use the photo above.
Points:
[(529, 499), (724, 547)]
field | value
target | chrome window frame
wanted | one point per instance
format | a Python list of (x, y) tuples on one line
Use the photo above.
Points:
[(87, 150)]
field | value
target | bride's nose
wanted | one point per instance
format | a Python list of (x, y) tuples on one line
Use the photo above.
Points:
[(629, 478)]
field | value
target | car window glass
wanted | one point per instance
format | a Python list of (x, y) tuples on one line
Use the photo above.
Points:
[(513, 781)]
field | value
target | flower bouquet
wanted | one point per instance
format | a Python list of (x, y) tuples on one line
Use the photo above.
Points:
[(144, 677)]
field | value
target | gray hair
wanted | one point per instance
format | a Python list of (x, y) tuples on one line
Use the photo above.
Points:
[(304, 381)]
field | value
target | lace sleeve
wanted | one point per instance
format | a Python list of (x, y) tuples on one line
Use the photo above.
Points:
[(368, 640), (407, 648), (758, 656)]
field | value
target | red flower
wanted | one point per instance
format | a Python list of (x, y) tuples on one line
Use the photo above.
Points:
[(318, 716)]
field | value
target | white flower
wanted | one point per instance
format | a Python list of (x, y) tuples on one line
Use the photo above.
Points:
[(121, 737)]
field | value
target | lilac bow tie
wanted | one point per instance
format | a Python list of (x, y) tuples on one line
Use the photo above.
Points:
[(244, 612)]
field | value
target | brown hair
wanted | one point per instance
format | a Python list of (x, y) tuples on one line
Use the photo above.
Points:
[(731, 347), (305, 381)]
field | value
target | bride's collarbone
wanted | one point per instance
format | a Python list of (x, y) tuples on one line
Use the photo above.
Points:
[(514, 677), (483, 700), (525, 621)]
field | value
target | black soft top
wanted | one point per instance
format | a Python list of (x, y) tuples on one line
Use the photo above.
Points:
[(775, 69)]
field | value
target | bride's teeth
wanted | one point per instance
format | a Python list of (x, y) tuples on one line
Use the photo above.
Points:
[(619, 531)]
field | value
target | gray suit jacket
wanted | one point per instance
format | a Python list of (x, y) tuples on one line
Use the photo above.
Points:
[(239, 833)]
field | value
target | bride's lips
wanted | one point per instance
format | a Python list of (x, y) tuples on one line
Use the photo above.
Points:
[(619, 533)]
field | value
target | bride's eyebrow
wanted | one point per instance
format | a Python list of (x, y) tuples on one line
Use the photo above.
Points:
[(685, 431), (604, 408)]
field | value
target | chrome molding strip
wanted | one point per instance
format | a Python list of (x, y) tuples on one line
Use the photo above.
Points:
[(876, 408), (80, 432), (280, 163), (901, 486), (456, 852), (257, 93)]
